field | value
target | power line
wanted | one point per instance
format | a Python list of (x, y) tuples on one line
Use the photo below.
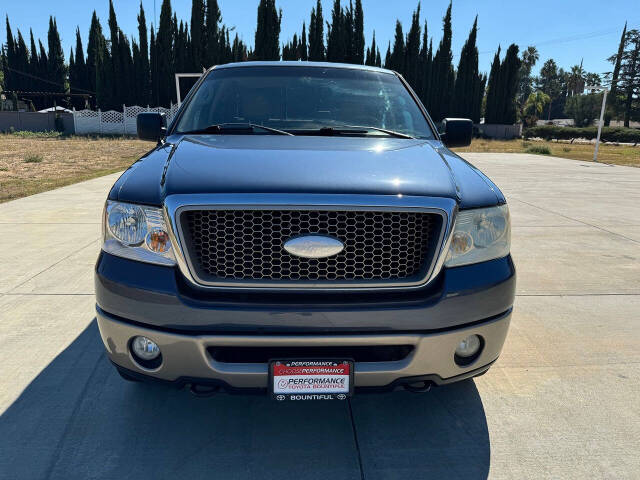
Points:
[(35, 77)]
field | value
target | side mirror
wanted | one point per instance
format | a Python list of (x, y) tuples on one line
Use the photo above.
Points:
[(457, 132), (151, 126)]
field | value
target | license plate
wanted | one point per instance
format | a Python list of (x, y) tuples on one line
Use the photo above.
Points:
[(310, 379)]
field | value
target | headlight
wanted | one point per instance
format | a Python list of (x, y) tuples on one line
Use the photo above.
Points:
[(137, 232), (480, 235)]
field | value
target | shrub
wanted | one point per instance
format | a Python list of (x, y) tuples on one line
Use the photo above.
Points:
[(30, 158), (609, 134), (584, 109), (539, 150)]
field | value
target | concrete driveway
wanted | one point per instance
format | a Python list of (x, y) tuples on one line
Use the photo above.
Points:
[(561, 402)]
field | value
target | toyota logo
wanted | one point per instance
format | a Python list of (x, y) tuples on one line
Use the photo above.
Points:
[(280, 397)]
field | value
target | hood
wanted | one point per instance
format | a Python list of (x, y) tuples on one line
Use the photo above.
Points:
[(301, 164), (279, 164)]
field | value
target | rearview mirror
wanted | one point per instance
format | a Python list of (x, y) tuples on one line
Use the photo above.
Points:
[(151, 126), (457, 132)]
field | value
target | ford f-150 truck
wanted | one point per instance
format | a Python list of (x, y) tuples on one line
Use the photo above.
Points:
[(303, 230)]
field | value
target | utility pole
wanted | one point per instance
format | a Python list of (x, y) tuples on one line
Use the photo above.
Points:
[(601, 122)]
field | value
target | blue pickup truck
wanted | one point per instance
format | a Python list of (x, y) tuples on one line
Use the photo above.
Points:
[(303, 230)]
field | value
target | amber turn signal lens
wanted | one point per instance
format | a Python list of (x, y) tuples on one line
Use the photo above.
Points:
[(461, 243), (158, 241)]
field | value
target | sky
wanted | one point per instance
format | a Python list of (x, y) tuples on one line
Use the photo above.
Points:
[(569, 31)]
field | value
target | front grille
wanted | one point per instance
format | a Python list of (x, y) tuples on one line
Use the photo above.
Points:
[(247, 245)]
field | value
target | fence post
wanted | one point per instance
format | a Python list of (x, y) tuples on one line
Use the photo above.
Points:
[(75, 129), (100, 121)]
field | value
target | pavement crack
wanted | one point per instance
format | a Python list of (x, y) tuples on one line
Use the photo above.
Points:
[(355, 438)]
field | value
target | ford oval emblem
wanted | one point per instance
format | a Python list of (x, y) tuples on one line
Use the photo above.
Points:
[(313, 246)]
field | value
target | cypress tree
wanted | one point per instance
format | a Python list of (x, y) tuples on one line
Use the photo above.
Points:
[(10, 60), (153, 68), (34, 63), (93, 51), (491, 114), (425, 67), (303, 53), (336, 47), (467, 77), (316, 34), (116, 73), (103, 69), (141, 62), (239, 50), (348, 35), (180, 48), (358, 33), (198, 34), (213, 19), (371, 52), (80, 64), (387, 58), (21, 63), (442, 79), (412, 52), (57, 70), (267, 39), (43, 65), (165, 63), (509, 85), (478, 95), (396, 59), (378, 58), (127, 89), (72, 71)]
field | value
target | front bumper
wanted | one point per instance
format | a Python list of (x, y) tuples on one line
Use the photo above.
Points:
[(186, 358)]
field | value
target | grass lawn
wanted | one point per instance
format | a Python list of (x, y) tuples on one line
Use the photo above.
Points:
[(33, 163), (616, 155)]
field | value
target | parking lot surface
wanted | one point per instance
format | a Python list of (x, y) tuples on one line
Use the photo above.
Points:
[(561, 402)]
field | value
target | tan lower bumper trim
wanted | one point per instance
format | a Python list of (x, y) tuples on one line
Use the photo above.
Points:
[(186, 355)]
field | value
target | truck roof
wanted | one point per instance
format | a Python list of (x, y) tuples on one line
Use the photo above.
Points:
[(278, 63)]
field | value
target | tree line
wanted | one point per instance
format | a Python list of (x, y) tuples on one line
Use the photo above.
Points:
[(117, 69)]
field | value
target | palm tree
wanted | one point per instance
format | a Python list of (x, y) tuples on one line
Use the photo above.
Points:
[(575, 80), (534, 107), (529, 57)]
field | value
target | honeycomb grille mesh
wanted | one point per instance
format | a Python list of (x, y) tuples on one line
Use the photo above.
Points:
[(248, 244)]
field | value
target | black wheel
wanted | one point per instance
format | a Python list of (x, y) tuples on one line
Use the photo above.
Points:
[(127, 377)]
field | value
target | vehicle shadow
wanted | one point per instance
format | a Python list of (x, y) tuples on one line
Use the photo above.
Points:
[(79, 419)]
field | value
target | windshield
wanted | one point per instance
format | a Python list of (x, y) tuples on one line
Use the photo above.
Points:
[(301, 100)]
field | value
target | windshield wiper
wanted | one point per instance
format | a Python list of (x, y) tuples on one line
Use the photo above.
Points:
[(235, 128), (391, 133), (356, 130)]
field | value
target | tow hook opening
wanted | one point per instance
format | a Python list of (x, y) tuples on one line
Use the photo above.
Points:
[(418, 387), (203, 390)]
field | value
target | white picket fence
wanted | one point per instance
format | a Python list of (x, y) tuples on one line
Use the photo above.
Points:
[(112, 122)]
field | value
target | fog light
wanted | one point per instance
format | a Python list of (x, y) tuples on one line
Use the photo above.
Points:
[(469, 346), (144, 348)]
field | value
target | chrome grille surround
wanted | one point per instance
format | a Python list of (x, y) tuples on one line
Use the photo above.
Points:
[(176, 205)]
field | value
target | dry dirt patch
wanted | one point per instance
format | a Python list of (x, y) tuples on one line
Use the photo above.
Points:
[(35, 163)]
